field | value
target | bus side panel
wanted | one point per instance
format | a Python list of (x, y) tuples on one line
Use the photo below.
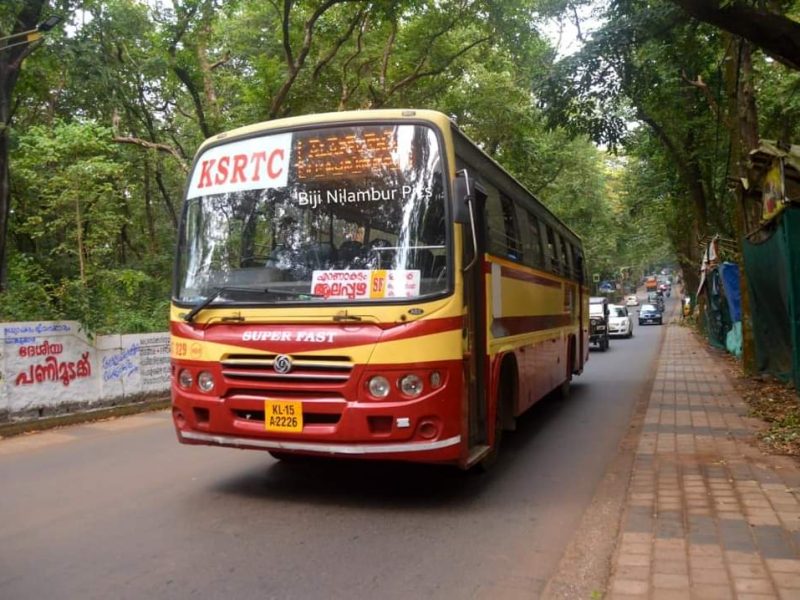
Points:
[(529, 318), (540, 371)]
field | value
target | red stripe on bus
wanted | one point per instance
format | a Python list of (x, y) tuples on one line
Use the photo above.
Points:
[(294, 338), (529, 277), (506, 326)]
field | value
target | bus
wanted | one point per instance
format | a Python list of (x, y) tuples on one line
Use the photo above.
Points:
[(367, 284)]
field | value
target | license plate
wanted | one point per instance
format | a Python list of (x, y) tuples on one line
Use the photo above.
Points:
[(283, 415)]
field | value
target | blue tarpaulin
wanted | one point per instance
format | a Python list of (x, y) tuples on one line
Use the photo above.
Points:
[(730, 283)]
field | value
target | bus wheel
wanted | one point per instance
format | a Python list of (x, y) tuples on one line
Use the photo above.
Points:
[(505, 387), (562, 391), (488, 461)]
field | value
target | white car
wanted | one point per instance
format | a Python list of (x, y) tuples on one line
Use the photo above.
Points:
[(620, 322), (632, 300)]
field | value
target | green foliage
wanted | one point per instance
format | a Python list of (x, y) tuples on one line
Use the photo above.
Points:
[(109, 115), (28, 297)]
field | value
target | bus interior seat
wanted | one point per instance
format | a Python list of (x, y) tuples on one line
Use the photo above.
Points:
[(350, 255), (320, 255), (377, 258)]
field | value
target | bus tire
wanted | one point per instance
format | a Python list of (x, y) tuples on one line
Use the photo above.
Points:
[(505, 387), (563, 390)]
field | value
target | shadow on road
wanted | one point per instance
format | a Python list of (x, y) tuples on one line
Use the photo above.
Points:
[(382, 485)]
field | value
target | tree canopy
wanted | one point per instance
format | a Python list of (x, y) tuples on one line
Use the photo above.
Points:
[(100, 118)]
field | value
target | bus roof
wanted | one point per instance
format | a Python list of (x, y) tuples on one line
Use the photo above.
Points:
[(398, 114)]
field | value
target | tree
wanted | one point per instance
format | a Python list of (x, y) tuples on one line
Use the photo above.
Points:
[(759, 23), (106, 132), (23, 16), (635, 69)]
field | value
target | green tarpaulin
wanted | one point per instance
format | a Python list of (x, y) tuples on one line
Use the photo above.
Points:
[(773, 281)]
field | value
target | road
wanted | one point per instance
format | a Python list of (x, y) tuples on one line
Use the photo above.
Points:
[(118, 509)]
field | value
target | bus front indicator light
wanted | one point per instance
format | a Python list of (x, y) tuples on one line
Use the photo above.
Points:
[(205, 381), (378, 386), (185, 379), (411, 386)]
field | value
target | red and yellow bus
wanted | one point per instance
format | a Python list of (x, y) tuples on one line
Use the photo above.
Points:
[(367, 284)]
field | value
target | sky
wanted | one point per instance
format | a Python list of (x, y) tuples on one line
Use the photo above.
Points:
[(563, 34)]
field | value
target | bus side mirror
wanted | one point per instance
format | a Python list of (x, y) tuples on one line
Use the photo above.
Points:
[(462, 193)]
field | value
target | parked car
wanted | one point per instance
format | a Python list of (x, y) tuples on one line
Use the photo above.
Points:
[(650, 314), (598, 322), (619, 321), (632, 300)]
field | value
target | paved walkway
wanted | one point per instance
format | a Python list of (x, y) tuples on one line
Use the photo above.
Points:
[(707, 514)]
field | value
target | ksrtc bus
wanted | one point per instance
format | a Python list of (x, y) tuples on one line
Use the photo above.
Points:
[(367, 284)]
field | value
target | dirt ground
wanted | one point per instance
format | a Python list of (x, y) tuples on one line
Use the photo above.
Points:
[(774, 402)]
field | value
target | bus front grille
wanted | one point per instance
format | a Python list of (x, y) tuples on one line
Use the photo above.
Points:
[(305, 370)]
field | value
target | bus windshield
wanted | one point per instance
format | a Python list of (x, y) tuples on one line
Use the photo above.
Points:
[(332, 214)]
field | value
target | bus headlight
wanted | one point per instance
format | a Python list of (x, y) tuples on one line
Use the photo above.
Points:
[(205, 381), (185, 379), (411, 385), (379, 386)]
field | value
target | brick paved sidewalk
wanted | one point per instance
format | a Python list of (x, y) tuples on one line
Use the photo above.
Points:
[(707, 514)]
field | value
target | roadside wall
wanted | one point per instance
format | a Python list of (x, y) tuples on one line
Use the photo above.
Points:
[(53, 367)]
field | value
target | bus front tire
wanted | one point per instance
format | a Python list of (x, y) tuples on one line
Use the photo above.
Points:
[(505, 387)]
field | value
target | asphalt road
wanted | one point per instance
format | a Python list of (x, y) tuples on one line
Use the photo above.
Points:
[(118, 509)]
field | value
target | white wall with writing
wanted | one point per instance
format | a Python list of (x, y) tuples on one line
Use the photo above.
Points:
[(56, 364)]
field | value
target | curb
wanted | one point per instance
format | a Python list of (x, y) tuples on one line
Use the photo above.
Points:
[(16, 428)]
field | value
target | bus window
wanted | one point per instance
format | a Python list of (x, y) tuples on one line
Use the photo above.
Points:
[(566, 263), (580, 267), (510, 228), (553, 252), (533, 247), (494, 224), (502, 236)]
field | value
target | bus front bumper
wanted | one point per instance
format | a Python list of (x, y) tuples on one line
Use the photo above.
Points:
[(332, 449)]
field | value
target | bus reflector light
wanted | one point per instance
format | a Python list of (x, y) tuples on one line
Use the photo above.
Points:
[(379, 386), (180, 420), (411, 385), (428, 429), (185, 378), (436, 379), (205, 381)]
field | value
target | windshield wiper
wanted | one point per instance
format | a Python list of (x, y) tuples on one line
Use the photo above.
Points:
[(189, 317), (344, 316), (291, 294), (217, 292)]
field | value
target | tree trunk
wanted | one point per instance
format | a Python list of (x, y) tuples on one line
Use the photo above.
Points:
[(744, 138), (10, 63)]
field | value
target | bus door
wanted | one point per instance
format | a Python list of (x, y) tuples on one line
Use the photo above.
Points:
[(475, 323)]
